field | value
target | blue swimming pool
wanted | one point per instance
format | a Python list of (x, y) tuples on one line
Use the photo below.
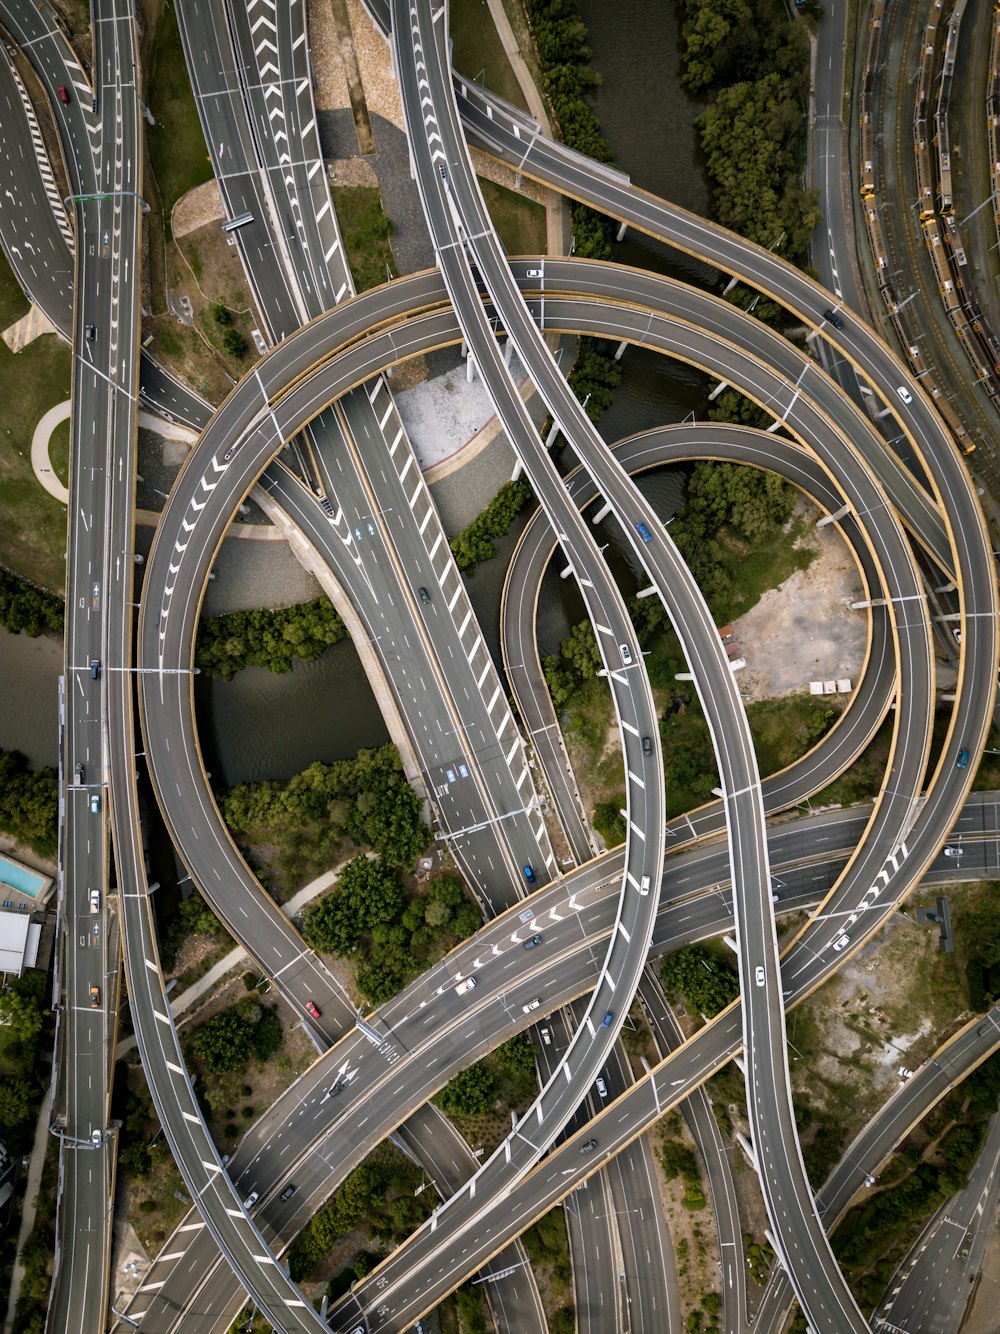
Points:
[(20, 878)]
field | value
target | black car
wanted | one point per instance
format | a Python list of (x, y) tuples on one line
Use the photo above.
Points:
[(647, 745), (288, 1192), (588, 1146), (424, 595), (532, 942), (834, 318)]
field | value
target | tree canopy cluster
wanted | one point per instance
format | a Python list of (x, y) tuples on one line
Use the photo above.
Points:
[(475, 543), (560, 36), (727, 500), (237, 1035), (265, 637), (396, 936), (578, 659), (366, 799), (194, 917), (755, 62), (699, 974), (547, 1244), (378, 1196), (25, 608), (23, 1030), (871, 1240), (29, 803), (978, 931)]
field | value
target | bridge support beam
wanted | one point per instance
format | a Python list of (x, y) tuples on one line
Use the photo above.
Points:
[(832, 518)]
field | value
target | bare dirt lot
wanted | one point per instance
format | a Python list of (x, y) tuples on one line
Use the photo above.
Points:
[(804, 630)]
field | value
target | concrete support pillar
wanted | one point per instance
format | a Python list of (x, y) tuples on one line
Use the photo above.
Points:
[(717, 391), (602, 513), (621, 348), (832, 518), (470, 368), (622, 230), (566, 572), (553, 432)]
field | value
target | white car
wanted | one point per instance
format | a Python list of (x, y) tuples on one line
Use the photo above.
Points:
[(842, 943), (531, 1005), (601, 1087), (95, 900), (904, 394), (626, 653), (758, 975), (953, 852)]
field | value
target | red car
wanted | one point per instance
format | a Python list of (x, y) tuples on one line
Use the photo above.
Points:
[(313, 1009), (63, 95)]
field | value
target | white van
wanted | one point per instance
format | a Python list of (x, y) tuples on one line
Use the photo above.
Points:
[(466, 985)]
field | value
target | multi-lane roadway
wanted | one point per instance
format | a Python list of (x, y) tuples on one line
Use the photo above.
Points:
[(939, 508)]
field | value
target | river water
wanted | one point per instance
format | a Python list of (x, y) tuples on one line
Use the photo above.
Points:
[(260, 725)]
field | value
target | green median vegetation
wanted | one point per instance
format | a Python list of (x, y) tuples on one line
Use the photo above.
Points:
[(379, 1198), (365, 230), (266, 637), (505, 1079), (931, 1165), (703, 975), (309, 820), (394, 935)]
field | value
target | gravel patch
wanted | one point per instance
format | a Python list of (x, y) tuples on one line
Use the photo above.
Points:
[(804, 630)]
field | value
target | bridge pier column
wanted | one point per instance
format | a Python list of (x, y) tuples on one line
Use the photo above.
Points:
[(621, 348), (602, 513), (622, 230), (832, 518), (717, 391)]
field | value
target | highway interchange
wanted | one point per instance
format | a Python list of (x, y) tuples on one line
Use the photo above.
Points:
[(495, 824)]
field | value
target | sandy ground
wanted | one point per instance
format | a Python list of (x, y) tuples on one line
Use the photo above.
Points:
[(804, 630)]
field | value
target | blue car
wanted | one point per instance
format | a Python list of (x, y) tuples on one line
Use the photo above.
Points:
[(644, 532), (963, 758), (606, 1021), (529, 873)]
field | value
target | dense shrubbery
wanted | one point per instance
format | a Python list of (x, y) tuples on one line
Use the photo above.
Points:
[(677, 1159), (507, 1076), (475, 543), (381, 1192), (366, 800), (25, 608), (560, 36), (756, 62), (29, 802), (23, 1041), (747, 503), (369, 912), (266, 638), (237, 1035), (871, 1240), (547, 1244), (702, 977), (978, 931)]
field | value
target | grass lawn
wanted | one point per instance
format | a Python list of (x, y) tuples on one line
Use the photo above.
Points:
[(33, 533), (520, 222), (59, 451), (477, 50), (366, 231), (177, 149)]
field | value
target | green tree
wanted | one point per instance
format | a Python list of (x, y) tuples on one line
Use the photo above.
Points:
[(234, 343), (21, 1016), (17, 1102), (472, 1092), (707, 984)]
